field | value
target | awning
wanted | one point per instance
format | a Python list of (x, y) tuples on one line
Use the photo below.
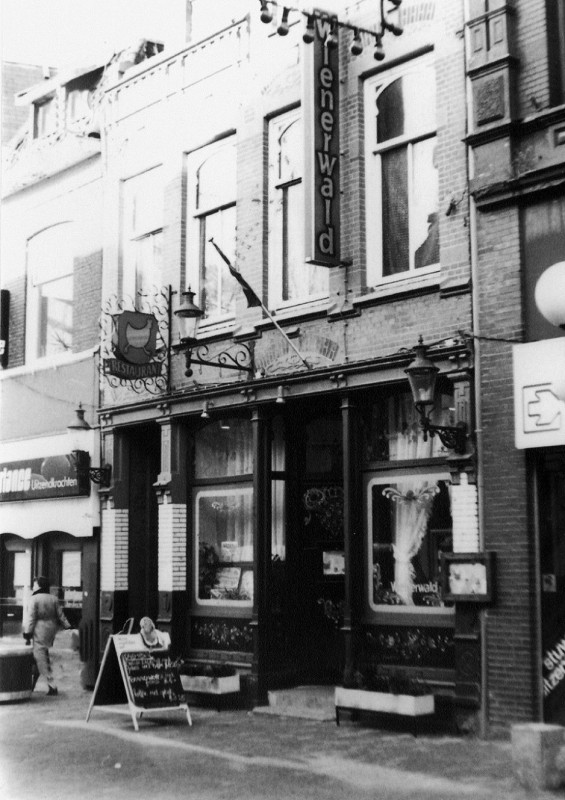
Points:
[(29, 519)]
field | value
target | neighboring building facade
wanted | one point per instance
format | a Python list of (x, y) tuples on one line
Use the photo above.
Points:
[(516, 64), (51, 295)]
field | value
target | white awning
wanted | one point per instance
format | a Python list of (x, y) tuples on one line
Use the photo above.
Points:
[(30, 518)]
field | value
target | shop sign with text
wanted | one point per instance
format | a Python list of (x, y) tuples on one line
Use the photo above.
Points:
[(39, 478), (135, 347), (321, 161)]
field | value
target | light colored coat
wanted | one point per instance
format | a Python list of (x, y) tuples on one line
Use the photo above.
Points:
[(45, 618)]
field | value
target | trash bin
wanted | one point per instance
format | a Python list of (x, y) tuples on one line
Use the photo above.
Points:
[(16, 664)]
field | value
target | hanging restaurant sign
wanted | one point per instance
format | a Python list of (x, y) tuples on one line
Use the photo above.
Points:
[(321, 152), (134, 344)]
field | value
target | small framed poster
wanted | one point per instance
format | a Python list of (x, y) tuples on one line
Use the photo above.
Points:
[(467, 577), (333, 562)]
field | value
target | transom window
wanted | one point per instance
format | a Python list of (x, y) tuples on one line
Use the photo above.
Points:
[(49, 319), (402, 179), (291, 280), (143, 232), (212, 215)]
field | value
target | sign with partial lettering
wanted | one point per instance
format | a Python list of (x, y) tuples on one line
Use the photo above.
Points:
[(539, 377), (321, 154)]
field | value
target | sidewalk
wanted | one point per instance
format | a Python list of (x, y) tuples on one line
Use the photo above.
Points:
[(47, 750)]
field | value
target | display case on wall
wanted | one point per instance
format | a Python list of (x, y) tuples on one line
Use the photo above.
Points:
[(467, 577)]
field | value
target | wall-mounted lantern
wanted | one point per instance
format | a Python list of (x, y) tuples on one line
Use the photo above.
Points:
[(422, 375), (78, 432), (189, 315)]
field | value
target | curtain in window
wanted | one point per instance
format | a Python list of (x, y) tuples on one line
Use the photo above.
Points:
[(223, 452), (396, 241), (412, 508), (406, 438)]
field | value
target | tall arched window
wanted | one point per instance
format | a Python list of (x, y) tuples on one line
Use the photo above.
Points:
[(402, 179), (49, 319), (291, 280), (212, 215)]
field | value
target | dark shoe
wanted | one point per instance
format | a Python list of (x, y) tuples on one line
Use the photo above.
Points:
[(52, 691)]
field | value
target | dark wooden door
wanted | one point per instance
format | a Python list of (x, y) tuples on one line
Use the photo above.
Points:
[(551, 483)]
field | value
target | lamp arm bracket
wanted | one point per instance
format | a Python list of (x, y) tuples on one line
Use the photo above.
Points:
[(453, 437)]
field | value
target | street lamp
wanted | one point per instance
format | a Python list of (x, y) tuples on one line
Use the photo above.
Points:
[(189, 316), (550, 294), (422, 375), (78, 432), (550, 301)]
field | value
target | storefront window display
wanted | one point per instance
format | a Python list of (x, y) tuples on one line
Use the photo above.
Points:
[(223, 514), (410, 526), (408, 504)]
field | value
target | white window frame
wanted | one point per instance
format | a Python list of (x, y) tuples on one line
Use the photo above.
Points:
[(277, 126), (220, 490), (133, 232), (39, 275), (373, 185), (383, 478), (197, 211)]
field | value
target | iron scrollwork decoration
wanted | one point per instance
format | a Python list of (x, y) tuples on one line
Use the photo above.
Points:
[(326, 503), (134, 341), (240, 356)]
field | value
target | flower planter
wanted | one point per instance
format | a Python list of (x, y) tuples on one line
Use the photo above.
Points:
[(206, 685), (383, 702)]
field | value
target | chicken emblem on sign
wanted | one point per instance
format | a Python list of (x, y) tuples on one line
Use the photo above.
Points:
[(135, 346)]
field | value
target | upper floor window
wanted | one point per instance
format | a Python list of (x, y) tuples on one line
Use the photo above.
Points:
[(45, 114), (212, 215), (143, 232), (402, 179), (556, 48), (49, 318), (291, 280)]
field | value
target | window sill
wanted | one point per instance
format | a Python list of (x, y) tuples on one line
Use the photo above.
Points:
[(216, 330), (49, 362), (315, 308), (405, 287)]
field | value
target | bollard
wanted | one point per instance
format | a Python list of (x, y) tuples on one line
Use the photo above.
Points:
[(536, 755)]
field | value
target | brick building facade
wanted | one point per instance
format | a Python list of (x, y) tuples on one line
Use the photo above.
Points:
[(288, 516)]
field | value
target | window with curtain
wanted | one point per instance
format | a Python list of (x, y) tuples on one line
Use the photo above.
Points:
[(212, 195), (223, 513), (409, 524), (143, 200), (49, 318), (402, 188), (291, 280)]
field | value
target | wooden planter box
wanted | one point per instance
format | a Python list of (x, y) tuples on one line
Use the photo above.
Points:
[(205, 685), (383, 702)]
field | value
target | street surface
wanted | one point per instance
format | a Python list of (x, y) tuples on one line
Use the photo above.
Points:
[(49, 752)]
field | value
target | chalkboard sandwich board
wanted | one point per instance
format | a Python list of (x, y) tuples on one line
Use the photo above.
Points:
[(148, 681)]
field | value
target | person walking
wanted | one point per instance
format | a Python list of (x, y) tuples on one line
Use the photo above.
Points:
[(45, 619)]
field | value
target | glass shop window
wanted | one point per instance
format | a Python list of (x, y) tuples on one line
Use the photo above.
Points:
[(223, 514), (71, 583), (409, 525), (392, 431), (22, 571)]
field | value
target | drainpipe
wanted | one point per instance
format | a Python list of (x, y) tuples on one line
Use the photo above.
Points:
[(483, 712)]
